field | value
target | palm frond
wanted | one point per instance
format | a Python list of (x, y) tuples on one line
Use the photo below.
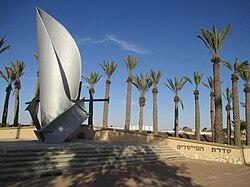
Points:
[(3, 76), (131, 63), (108, 68), (2, 42), (211, 82), (197, 79), (245, 75), (181, 102), (142, 83), (18, 69), (240, 65), (206, 33), (92, 79), (224, 33), (170, 85), (204, 41), (228, 96), (214, 39), (176, 85), (155, 77), (187, 79), (226, 64), (205, 84)]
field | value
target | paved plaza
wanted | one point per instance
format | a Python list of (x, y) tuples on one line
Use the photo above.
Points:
[(172, 173)]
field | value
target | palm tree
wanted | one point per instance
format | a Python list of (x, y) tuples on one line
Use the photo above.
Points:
[(142, 84), (155, 78), (37, 89), (210, 85), (9, 78), (18, 71), (245, 75), (109, 69), (175, 86), (213, 41), (197, 79), (131, 63), (237, 68), (228, 97), (92, 80), (2, 42), (2, 48)]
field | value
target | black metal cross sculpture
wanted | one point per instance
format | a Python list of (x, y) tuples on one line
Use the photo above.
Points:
[(91, 107)]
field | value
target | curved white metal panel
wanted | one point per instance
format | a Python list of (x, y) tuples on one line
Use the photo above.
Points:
[(59, 67)]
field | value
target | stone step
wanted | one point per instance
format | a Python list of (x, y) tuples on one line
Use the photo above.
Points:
[(19, 162), (26, 161), (10, 155), (73, 167), (31, 157), (57, 171), (85, 149)]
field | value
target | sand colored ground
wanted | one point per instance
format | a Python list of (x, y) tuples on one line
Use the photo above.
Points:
[(171, 173)]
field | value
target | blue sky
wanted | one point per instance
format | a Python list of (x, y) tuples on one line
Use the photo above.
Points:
[(161, 33)]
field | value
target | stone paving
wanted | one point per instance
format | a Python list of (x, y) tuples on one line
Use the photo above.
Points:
[(172, 173)]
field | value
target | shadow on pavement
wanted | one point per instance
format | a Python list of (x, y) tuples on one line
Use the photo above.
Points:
[(154, 174)]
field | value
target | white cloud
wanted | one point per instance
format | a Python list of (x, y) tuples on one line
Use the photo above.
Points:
[(80, 41), (127, 46)]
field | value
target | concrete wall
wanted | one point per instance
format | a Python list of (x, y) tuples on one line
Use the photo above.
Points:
[(246, 151), (207, 151), (128, 137), (188, 148), (18, 133)]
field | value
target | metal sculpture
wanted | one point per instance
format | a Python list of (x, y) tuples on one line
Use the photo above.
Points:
[(60, 73)]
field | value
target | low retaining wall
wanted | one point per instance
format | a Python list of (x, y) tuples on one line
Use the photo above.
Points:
[(207, 151), (188, 148), (26, 133), (246, 153), (128, 137)]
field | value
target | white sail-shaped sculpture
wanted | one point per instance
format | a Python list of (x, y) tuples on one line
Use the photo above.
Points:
[(60, 75), (59, 67)]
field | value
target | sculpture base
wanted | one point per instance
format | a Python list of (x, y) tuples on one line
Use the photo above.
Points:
[(64, 125)]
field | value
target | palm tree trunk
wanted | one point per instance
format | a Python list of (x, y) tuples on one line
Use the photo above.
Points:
[(128, 103), (247, 113), (155, 111), (106, 105), (212, 114), (142, 101), (16, 108), (236, 110), (141, 119), (6, 106), (197, 115), (218, 101), (176, 116), (228, 108)]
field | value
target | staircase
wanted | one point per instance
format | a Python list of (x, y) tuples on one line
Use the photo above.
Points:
[(25, 160)]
